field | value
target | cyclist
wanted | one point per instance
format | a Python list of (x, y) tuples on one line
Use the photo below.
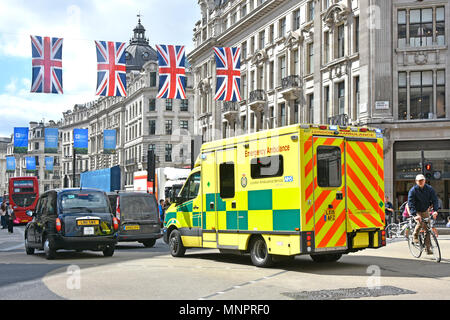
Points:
[(420, 198)]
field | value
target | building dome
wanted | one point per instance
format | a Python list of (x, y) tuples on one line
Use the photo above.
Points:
[(139, 50)]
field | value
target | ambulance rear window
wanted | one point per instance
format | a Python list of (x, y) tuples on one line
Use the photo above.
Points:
[(267, 167), (329, 172)]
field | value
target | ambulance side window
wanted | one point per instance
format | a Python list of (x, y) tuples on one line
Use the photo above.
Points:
[(267, 167), (227, 188), (329, 169)]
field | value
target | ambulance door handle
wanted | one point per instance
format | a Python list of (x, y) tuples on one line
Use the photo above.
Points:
[(233, 205), (195, 207), (211, 205)]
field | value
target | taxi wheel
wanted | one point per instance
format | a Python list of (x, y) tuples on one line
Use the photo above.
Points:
[(260, 255), (176, 245), (149, 243), (50, 252), (108, 251), (28, 250)]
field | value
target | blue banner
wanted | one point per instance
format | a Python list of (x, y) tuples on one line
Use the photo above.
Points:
[(51, 140), (49, 163), (109, 141), (80, 142), (30, 164), (10, 164), (20, 140)]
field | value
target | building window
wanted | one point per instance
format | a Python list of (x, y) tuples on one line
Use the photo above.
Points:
[(152, 79), (169, 104), (421, 27), (243, 10), (296, 19), (184, 124), (401, 28), (296, 111), (244, 50), (260, 77), (151, 147), (326, 47), (311, 7), (310, 60), (283, 121), (341, 97), (168, 127), (340, 42), (281, 27), (402, 96), (152, 126), (271, 75), (421, 95), (440, 94), (311, 107), (184, 106), (356, 35), (36, 146), (271, 33), (440, 26), (262, 36), (327, 102), (295, 59), (244, 87), (282, 68), (357, 97), (151, 104), (168, 155), (252, 45)]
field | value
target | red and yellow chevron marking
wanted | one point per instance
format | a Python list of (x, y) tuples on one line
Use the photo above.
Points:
[(329, 233), (365, 184), (307, 222)]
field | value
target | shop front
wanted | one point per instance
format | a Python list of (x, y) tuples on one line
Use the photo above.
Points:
[(429, 157)]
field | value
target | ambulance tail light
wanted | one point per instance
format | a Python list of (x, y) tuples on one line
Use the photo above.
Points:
[(363, 130), (323, 127), (58, 224), (383, 237)]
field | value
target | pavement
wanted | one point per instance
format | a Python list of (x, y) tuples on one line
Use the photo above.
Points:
[(135, 272)]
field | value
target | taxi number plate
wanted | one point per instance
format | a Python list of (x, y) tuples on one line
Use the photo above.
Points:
[(87, 222), (136, 227), (88, 231)]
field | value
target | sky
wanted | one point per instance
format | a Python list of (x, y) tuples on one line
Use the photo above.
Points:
[(79, 23)]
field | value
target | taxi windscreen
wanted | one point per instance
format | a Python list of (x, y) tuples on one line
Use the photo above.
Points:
[(83, 201)]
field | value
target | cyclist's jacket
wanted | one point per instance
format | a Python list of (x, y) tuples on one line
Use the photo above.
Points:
[(420, 199)]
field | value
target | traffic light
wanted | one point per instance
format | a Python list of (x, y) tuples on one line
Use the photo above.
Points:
[(428, 170)]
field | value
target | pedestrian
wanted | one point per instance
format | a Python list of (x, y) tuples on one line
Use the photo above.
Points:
[(161, 211), (3, 215), (406, 214), (420, 198), (389, 212), (11, 217), (448, 222)]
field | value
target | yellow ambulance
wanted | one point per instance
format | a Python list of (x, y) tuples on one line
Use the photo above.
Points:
[(299, 189)]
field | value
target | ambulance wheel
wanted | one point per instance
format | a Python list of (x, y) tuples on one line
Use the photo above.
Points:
[(175, 244), (330, 257), (260, 255)]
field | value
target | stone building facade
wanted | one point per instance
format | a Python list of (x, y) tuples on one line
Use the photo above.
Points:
[(381, 63)]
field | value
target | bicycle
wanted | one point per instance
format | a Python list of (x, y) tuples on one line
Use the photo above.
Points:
[(416, 249), (398, 230)]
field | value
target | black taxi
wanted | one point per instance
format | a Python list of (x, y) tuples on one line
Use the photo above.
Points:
[(72, 219)]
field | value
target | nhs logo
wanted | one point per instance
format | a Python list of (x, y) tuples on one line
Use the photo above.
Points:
[(288, 178)]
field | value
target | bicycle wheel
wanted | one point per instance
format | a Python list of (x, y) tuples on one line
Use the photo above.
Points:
[(435, 247), (414, 248)]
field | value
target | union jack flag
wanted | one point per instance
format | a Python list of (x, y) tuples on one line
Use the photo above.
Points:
[(111, 69), (228, 74), (46, 64), (172, 72)]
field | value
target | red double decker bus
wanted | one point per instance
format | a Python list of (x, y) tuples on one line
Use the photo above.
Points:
[(23, 196)]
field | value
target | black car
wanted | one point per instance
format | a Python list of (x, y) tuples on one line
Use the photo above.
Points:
[(138, 216), (72, 219)]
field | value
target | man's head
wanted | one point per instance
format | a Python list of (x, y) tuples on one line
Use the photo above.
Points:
[(386, 198), (161, 201), (420, 180)]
